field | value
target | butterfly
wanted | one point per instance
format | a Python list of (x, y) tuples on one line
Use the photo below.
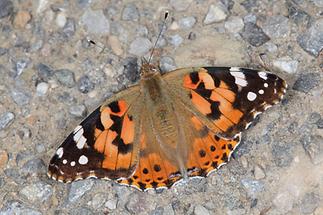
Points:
[(185, 123)]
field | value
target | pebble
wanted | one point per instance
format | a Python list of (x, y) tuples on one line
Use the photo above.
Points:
[(140, 46), (41, 88), (79, 188), (3, 51), (167, 64), (320, 124), (180, 5), (191, 36), (97, 200), (37, 192), (19, 97), (313, 147), (276, 26), (216, 13), (187, 22), (34, 166), (3, 159), (6, 119), (249, 5), (286, 64), (200, 210), (18, 208), (259, 173), (298, 16), (65, 77), (81, 211), (309, 203), (253, 187), (6, 8), (306, 82), (314, 118), (115, 45), (318, 3), (282, 155), (234, 24), (111, 204), (175, 40), (85, 85), (130, 69), (130, 13), (21, 19), (44, 72), (69, 28), (312, 39), (168, 210), (157, 211), (250, 18), (61, 20), (79, 111), (283, 202), (254, 35), (15, 176), (20, 66), (95, 22)]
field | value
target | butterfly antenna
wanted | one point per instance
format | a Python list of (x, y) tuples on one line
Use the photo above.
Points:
[(159, 35)]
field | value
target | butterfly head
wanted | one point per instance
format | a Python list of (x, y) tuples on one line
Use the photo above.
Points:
[(147, 70)]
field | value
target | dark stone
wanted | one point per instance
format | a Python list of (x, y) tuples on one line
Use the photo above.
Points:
[(306, 82), (44, 72), (6, 8), (85, 85), (254, 35), (130, 65)]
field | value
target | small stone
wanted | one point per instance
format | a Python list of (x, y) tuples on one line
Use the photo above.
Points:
[(37, 192), (276, 26), (61, 20), (81, 211), (140, 46), (19, 97), (85, 85), (115, 45), (111, 204), (283, 202), (320, 124), (175, 40), (17, 207), (253, 187), (41, 88), (141, 31), (282, 155), (69, 28), (254, 35), (34, 166), (234, 24), (79, 111), (168, 210), (200, 210), (259, 173), (157, 211), (167, 64), (187, 22), (79, 188), (314, 118), (299, 17), (180, 5), (250, 18), (44, 72), (20, 66), (191, 36), (249, 4), (130, 69), (95, 22), (6, 8), (97, 200), (286, 64), (21, 19), (216, 13), (309, 203), (306, 82), (318, 3), (312, 40), (3, 159), (65, 77), (15, 176), (6, 119), (3, 51), (130, 12), (313, 145)]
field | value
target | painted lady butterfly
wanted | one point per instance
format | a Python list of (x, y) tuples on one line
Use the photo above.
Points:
[(181, 124)]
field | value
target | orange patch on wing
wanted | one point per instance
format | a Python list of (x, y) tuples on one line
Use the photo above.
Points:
[(97, 133), (100, 142), (187, 82), (124, 161), (128, 130), (105, 117), (223, 123), (200, 103), (110, 152), (223, 85), (207, 80), (227, 94)]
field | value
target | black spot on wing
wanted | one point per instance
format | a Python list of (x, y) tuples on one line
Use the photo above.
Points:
[(194, 77), (89, 124), (114, 106), (215, 111)]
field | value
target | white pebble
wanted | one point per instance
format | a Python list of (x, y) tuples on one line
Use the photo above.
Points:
[(41, 88), (61, 20)]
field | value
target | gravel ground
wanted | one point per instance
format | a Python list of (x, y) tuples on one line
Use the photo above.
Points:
[(51, 78)]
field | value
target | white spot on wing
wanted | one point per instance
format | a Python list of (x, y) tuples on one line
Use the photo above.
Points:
[(77, 128), (263, 75), (64, 161), (81, 142), (83, 160), (78, 134), (60, 152), (251, 96), (265, 85), (73, 163), (239, 78), (234, 69), (261, 91)]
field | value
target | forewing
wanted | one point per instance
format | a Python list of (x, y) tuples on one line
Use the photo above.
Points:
[(226, 99), (104, 145)]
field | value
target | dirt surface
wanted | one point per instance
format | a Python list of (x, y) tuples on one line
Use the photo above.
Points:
[(51, 78)]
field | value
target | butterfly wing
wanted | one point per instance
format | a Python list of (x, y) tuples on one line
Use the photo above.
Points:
[(104, 145), (226, 99)]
